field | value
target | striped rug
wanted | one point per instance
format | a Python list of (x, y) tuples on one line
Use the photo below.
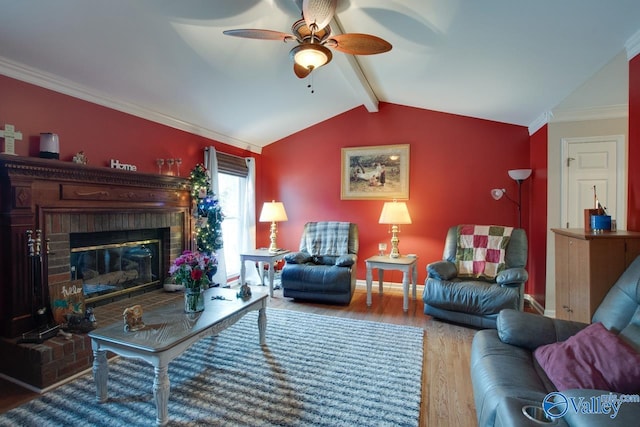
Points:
[(314, 371)]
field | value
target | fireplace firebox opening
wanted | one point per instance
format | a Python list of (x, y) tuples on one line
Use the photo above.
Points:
[(116, 263)]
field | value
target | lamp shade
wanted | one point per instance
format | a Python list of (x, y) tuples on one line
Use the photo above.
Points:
[(311, 55), (519, 174), (497, 193), (273, 212), (395, 213)]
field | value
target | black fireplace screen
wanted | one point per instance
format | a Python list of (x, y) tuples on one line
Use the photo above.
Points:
[(111, 269)]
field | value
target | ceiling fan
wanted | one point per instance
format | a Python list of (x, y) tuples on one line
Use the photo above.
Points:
[(313, 36)]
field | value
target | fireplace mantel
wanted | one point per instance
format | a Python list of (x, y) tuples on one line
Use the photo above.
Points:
[(57, 197)]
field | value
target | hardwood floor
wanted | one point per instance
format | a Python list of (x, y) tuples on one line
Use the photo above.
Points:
[(447, 396)]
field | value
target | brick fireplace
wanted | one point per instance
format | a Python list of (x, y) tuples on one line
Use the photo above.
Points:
[(67, 201)]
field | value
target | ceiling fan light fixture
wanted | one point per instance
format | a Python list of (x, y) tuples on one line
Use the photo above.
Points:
[(311, 55)]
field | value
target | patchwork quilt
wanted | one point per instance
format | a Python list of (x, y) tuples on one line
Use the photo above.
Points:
[(481, 250)]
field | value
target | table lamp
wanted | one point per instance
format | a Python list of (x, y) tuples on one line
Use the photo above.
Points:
[(394, 213), (273, 212)]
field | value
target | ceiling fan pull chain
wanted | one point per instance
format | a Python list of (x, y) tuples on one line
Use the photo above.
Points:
[(310, 84)]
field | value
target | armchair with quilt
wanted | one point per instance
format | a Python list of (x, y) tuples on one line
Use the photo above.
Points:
[(324, 269), (482, 272)]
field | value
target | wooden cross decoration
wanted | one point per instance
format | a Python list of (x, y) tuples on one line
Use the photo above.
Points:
[(10, 135)]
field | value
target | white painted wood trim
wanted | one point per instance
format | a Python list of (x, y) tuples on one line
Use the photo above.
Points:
[(632, 45), (593, 113), (64, 86), (540, 121)]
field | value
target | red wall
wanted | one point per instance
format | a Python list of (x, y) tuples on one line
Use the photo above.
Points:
[(101, 132), (633, 216), (537, 231), (454, 162)]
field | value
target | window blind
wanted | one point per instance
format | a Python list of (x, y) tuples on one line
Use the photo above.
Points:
[(232, 165)]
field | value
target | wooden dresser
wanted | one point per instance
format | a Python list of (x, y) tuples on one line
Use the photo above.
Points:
[(587, 265)]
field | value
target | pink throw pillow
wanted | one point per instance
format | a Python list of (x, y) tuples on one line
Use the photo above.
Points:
[(594, 358)]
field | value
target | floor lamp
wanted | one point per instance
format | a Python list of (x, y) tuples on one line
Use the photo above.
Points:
[(517, 175)]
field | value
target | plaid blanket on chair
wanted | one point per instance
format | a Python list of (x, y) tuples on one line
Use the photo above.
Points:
[(326, 238), (481, 250)]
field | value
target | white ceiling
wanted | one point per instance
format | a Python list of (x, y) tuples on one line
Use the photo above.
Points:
[(167, 60)]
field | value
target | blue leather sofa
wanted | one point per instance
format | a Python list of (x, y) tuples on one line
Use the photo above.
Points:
[(324, 268), (506, 375)]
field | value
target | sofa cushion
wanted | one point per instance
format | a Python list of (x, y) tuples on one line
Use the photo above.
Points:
[(594, 358), (470, 296), (317, 278)]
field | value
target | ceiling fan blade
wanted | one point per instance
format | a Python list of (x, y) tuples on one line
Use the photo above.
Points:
[(300, 71), (260, 34), (358, 44), (318, 12)]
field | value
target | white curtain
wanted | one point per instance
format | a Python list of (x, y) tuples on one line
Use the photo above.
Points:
[(211, 163), (248, 224)]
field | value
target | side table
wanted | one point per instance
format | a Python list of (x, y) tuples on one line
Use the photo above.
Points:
[(262, 256), (408, 266)]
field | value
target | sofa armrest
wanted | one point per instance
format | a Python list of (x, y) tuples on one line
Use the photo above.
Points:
[(512, 277), (297, 257), (346, 260), (442, 270), (628, 413), (530, 330)]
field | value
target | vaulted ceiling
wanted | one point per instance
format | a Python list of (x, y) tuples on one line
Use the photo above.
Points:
[(503, 60)]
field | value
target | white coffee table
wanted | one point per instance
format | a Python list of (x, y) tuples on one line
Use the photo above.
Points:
[(408, 266), (167, 334)]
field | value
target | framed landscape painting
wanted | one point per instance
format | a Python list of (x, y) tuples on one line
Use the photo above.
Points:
[(376, 172)]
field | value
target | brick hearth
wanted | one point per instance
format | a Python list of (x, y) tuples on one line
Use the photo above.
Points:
[(41, 366)]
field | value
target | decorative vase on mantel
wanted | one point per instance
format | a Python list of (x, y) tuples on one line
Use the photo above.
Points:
[(193, 299)]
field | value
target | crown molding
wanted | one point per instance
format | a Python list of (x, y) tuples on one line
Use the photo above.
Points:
[(592, 113), (67, 87), (632, 45), (542, 120)]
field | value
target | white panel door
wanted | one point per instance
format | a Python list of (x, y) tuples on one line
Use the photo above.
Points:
[(590, 167)]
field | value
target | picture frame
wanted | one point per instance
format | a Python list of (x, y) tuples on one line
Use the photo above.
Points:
[(375, 172)]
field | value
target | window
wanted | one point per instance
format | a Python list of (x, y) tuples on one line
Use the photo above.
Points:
[(230, 187)]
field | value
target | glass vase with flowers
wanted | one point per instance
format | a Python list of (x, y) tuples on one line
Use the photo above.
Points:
[(191, 269)]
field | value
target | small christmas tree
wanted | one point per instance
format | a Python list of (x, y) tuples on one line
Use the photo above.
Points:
[(208, 212)]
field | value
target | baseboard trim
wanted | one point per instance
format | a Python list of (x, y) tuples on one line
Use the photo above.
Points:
[(362, 284), (534, 304)]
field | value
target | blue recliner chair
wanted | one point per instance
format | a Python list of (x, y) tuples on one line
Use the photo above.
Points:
[(324, 269), (476, 300)]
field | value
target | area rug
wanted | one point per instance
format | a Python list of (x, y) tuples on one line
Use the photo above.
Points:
[(314, 371)]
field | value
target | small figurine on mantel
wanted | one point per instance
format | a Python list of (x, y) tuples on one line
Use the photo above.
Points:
[(80, 158), (10, 136)]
